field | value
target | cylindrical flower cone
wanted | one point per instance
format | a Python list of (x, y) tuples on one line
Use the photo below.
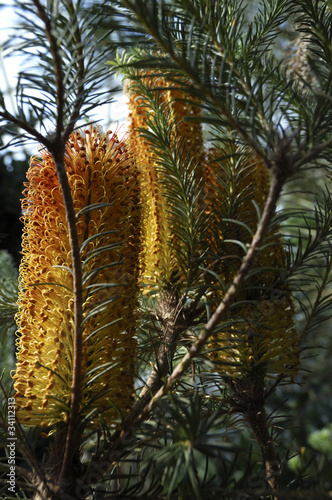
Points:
[(260, 332), (177, 113), (104, 183)]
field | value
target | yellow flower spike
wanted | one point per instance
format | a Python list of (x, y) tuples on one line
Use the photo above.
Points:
[(262, 332), (105, 186), (160, 262), (190, 131), (157, 234)]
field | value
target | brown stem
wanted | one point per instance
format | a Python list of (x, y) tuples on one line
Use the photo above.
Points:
[(257, 420), (78, 315), (249, 399), (169, 310), (56, 146)]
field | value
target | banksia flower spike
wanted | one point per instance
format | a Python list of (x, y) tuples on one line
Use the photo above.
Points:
[(157, 258), (260, 332), (105, 190), (158, 105)]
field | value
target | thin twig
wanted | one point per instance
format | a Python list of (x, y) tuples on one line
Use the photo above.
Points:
[(56, 146), (80, 75), (171, 330), (318, 298), (6, 115), (57, 65)]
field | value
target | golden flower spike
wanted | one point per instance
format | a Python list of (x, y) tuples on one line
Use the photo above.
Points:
[(261, 332), (104, 183), (160, 265)]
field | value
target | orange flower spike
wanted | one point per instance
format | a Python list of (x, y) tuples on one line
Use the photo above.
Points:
[(101, 172)]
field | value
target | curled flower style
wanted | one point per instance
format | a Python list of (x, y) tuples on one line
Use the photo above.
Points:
[(103, 177), (155, 102), (260, 331)]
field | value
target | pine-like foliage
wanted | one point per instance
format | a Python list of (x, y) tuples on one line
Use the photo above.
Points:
[(173, 278)]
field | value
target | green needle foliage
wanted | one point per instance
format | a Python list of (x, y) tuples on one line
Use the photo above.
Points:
[(175, 284), (8, 309)]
